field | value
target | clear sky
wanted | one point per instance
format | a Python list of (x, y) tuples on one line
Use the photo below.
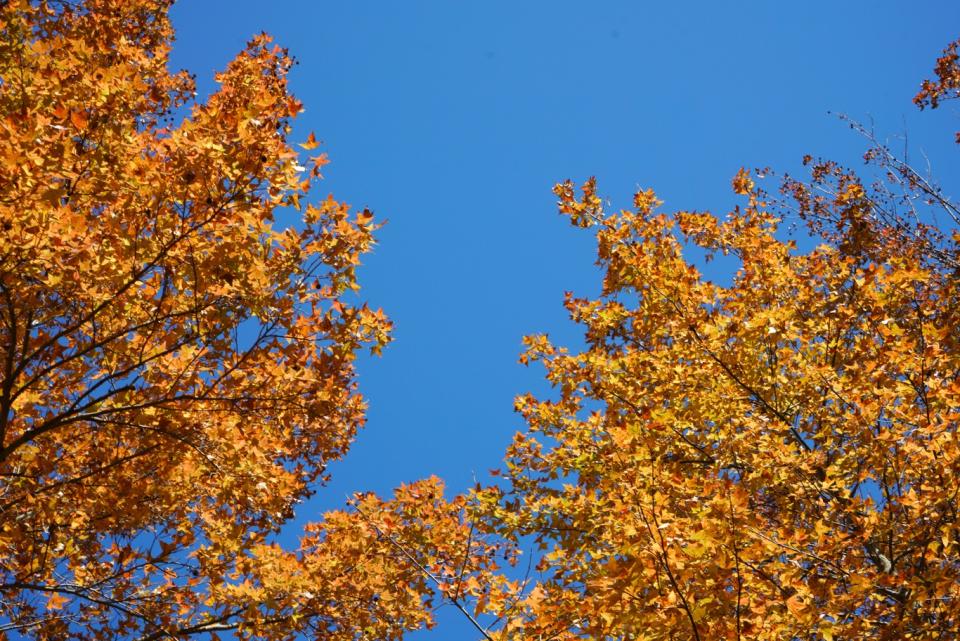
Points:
[(453, 120)]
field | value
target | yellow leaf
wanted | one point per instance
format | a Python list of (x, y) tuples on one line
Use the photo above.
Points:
[(56, 601), (311, 142)]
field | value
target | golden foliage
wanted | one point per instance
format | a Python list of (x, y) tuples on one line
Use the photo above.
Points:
[(771, 458), (947, 84), (176, 361)]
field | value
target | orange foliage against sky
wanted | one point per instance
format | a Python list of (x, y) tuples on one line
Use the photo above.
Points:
[(177, 356), (775, 458)]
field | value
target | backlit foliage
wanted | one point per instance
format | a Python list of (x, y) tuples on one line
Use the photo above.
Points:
[(176, 347), (947, 84), (772, 458)]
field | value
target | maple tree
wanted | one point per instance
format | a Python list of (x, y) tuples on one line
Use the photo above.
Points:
[(176, 362), (772, 458)]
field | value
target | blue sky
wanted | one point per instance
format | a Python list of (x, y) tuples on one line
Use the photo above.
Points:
[(452, 120)]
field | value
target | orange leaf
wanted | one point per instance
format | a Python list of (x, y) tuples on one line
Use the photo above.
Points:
[(311, 142), (79, 119)]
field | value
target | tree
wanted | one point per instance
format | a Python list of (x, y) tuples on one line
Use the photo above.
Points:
[(176, 349), (773, 458)]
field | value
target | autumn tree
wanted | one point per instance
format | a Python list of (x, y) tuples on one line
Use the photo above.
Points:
[(775, 458), (177, 341), (771, 458)]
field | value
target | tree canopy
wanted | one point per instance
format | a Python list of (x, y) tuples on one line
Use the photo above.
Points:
[(773, 457), (176, 350)]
